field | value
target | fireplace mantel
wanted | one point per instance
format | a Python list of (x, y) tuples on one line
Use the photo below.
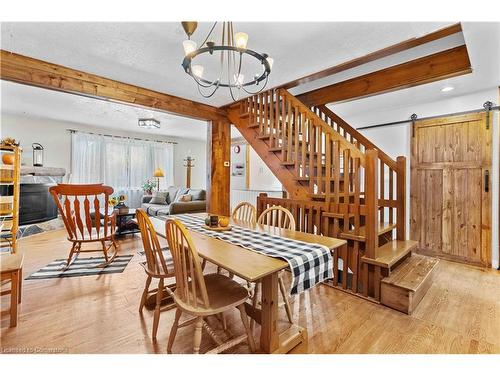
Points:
[(42, 171), (41, 175)]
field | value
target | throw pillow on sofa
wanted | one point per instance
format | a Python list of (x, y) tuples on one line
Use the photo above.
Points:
[(172, 194), (185, 198), (198, 194), (159, 197)]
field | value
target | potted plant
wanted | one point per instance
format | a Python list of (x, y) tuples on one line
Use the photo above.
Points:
[(149, 186)]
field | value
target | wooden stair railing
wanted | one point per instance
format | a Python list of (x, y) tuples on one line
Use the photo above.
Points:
[(392, 173), (339, 183)]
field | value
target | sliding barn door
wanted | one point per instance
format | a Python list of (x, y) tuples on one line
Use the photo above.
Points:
[(450, 212)]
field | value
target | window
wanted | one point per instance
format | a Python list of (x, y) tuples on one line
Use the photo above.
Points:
[(123, 163)]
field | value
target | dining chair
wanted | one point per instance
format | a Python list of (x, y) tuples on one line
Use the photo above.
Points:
[(86, 222), (279, 217), (201, 295), (246, 212), (158, 265), (11, 270)]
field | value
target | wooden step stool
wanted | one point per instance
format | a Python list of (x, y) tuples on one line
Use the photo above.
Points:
[(407, 284)]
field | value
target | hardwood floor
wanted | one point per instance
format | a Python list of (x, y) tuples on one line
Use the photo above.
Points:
[(99, 314)]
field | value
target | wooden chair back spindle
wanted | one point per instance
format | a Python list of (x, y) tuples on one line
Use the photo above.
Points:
[(189, 279), (277, 216), (74, 205), (155, 259), (245, 212)]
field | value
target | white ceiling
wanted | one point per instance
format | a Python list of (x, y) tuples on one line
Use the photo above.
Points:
[(32, 101), (150, 54), (483, 45)]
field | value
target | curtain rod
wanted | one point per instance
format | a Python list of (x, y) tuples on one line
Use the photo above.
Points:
[(487, 108), (119, 136)]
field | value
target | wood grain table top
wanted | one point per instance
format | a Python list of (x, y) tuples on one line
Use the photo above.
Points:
[(247, 264)]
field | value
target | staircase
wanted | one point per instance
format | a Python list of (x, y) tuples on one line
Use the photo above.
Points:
[(338, 184)]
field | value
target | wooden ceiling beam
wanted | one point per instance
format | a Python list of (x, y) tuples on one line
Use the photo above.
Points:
[(391, 50), (33, 72), (445, 64)]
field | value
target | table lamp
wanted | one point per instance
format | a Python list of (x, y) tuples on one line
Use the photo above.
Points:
[(158, 173)]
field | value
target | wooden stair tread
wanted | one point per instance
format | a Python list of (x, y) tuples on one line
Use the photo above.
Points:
[(287, 163), (253, 125), (391, 252), (361, 235), (244, 114), (275, 149), (332, 178), (407, 285), (336, 215), (412, 272), (323, 195)]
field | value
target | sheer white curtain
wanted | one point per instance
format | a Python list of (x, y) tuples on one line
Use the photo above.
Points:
[(163, 157), (86, 158), (123, 163), (140, 169)]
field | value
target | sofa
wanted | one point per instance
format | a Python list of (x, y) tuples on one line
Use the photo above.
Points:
[(171, 204)]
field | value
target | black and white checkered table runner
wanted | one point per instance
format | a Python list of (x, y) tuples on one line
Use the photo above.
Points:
[(310, 263)]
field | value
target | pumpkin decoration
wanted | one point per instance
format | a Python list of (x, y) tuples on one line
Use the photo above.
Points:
[(223, 221), (8, 159)]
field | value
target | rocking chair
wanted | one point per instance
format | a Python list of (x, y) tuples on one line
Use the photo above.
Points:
[(84, 226)]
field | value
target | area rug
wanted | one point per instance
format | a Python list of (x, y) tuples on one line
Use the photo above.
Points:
[(164, 250), (80, 267)]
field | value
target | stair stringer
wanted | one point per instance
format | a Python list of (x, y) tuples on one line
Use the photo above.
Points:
[(271, 159)]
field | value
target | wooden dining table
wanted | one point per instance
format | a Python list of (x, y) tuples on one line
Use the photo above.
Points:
[(252, 267)]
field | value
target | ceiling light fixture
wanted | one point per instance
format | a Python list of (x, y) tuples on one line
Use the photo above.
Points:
[(149, 123), (447, 88), (231, 52)]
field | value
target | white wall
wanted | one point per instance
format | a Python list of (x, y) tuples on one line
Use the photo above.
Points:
[(395, 140), (56, 141), (261, 177), (239, 182)]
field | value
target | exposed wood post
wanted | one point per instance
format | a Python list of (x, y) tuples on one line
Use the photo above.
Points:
[(371, 201), (218, 176), (401, 198)]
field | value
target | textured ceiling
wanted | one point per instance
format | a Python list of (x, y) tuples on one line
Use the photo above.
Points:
[(483, 45), (150, 54), (31, 101)]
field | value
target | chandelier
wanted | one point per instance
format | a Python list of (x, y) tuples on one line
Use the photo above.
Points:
[(232, 54)]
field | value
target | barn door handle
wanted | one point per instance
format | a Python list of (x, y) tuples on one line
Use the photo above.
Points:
[(486, 181)]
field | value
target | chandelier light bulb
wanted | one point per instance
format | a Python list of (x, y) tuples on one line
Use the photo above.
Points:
[(189, 46), (270, 60), (241, 40), (232, 74), (197, 70)]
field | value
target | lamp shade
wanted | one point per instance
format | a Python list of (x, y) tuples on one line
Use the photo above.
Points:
[(158, 173)]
